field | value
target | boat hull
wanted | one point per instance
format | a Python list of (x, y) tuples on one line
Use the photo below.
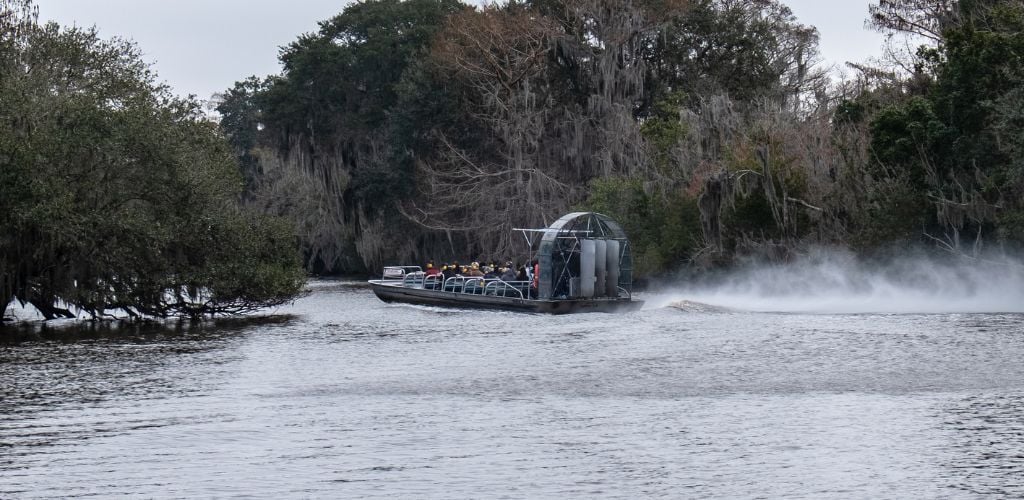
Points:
[(420, 296)]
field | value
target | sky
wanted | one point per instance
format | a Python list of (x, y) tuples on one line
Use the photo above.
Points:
[(203, 46)]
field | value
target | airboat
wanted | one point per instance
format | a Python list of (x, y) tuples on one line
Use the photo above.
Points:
[(584, 265)]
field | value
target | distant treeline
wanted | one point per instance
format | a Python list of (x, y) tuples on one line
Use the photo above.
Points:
[(404, 130), (116, 198)]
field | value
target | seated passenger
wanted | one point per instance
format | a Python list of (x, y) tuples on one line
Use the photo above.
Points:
[(475, 271), (431, 270), (507, 274), (489, 273)]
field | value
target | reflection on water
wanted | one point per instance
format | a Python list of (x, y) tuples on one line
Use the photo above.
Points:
[(347, 396), (74, 331)]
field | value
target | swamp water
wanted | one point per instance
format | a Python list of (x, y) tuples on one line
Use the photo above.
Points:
[(345, 396)]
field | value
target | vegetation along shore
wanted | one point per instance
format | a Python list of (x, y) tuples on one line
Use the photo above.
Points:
[(407, 130)]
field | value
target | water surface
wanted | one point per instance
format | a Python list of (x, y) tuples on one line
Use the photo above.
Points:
[(349, 397)]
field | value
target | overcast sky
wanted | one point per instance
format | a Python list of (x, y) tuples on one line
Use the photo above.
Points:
[(204, 46)]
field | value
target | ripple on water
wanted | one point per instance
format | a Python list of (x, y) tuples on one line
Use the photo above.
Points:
[(352, 397)]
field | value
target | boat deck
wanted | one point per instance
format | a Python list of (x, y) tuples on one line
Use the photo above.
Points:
[(480, 293)]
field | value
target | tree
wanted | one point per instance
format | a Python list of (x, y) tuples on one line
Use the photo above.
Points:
[(924, 18), (241, 114), (547, 93), (956, 145), (328, 153), (497, 60), (705, 52), (121, 197)]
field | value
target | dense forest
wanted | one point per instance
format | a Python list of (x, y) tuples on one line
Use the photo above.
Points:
[(406, 130), (117, 198)]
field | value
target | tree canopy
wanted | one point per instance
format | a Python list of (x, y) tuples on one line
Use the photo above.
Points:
[(956, 144), (708, 126), (116, 195)]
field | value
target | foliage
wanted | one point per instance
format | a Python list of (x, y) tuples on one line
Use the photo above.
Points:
[(746, 50), (117, 195), (955, 144), (241, 120), (324, 143), (663, 130), (405, 129), (664, 229)]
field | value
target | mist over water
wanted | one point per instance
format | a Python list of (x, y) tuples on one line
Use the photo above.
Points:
[(831, 281)]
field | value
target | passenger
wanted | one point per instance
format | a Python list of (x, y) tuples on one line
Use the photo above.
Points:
[(522, 275), (536, 278), (431, 270), (507, 274), (489, 273), (475, 271), (447, 271)]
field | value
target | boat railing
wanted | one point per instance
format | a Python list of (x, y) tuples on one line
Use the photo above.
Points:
[(473, 285), (414, 279), (398, 274), (502, 287), (455, 284), (433, 282)]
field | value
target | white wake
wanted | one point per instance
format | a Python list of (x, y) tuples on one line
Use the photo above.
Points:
[(837, 282)]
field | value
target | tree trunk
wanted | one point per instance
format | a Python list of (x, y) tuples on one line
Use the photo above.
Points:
[(4, 302)]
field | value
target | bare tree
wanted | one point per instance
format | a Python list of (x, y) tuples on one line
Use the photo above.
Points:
[(551, 99), (807, 170), (921, 18)]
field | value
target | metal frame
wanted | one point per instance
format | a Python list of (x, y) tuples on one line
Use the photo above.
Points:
[(413, 277), (556, 257), (556, 250)]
